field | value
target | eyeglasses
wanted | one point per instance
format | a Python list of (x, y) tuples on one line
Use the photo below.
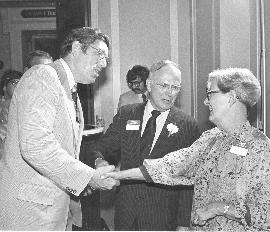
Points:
[(167, 87), (14, 81), (101, 54), (210, 92), (135, 83)]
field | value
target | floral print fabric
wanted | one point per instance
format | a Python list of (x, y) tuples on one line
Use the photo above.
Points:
[(219, 174)]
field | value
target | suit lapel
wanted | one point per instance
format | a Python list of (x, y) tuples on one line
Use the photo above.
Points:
[(81, 127), (164, 134), (77, 129)]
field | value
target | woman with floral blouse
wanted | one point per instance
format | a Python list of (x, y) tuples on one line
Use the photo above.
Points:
[(229, 164)]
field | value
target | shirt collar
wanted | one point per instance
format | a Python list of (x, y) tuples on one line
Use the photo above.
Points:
[(70, 77), (149, 108)]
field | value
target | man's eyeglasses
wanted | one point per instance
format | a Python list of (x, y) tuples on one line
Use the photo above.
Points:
[(135, 83), (14, 81), (101, 54), (210, 92), (167, 87)]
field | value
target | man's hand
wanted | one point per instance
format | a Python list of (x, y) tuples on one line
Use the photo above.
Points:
[(98, 182), (99, 162)]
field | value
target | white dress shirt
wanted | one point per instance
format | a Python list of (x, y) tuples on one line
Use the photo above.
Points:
[(160, 121)]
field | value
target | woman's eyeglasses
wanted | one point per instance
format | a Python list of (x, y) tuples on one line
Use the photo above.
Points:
[(210, 92)]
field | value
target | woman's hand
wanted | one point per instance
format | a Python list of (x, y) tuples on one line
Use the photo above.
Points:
[(201, 215), (115, 175), (129, 174)]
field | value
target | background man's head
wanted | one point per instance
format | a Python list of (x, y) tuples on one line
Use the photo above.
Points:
[(136, 78), (37, 57), (163, 84), (9, 81), (86, 52)]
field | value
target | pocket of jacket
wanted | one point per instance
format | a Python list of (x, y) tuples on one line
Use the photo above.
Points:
[(36, 193)]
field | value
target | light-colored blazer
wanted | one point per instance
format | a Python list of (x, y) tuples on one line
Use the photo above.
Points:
[(39, 170)]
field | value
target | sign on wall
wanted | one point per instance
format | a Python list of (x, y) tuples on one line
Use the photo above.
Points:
[(38, 13)]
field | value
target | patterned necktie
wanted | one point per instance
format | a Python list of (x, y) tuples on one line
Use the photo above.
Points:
[(149, 134)]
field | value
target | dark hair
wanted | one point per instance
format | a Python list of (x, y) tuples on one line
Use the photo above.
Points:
[(137, 71), (36, 53), (86, 36), (8, 76)]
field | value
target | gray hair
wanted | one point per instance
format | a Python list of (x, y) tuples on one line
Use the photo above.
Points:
[(241, 80), (158, 65)]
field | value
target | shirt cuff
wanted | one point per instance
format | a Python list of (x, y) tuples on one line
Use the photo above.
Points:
[(145, 174)]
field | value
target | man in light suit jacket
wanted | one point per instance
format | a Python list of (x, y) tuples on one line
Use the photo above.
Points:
[(136, 80), (40, 169), (139, 205)]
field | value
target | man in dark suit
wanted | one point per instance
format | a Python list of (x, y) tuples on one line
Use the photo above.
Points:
[(150, 130)]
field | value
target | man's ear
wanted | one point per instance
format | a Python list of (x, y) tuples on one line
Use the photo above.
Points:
[(76, 47), (148, 85)]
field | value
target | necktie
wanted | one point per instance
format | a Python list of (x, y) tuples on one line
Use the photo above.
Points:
[(144, 98), (149, 134), (74, 96)]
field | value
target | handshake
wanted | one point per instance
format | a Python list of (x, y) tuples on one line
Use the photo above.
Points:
[(104, 178)]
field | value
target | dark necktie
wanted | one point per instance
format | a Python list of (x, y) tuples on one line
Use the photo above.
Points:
[(149, 134), (144, 98), (74, 96)]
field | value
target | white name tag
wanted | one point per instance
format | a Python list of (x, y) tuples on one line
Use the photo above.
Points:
[(133, 125), (239, 150)]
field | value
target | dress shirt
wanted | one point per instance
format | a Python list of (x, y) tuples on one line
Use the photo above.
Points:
[(160, 121)]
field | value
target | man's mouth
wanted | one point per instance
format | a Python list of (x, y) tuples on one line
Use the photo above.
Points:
[(166, 101)]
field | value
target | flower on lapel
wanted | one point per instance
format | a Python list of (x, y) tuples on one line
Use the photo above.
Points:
[(172, 129)]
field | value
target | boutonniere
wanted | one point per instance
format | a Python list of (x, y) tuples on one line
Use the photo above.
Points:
[(172, 129)]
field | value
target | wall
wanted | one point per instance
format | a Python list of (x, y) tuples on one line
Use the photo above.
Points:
[(13, 24), (141, 32)]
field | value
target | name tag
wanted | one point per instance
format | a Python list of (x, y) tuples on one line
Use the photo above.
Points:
[(239, 150), (133, 125)]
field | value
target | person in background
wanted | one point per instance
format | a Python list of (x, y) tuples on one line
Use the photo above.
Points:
[(229, 164), (40, 169), (150, 130), (9, 81), (136, 80), (37, 57)]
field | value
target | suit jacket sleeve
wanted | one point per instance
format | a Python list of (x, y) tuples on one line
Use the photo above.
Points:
[(40, 146), (110, 143)]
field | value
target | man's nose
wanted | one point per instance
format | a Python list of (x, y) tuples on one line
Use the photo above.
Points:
[(169, 90)]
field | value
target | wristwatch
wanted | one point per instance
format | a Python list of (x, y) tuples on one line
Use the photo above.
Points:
[(99, 158)]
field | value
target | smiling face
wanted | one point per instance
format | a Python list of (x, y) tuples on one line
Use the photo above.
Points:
[(164, 86), (217, 102), (87, 65)]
